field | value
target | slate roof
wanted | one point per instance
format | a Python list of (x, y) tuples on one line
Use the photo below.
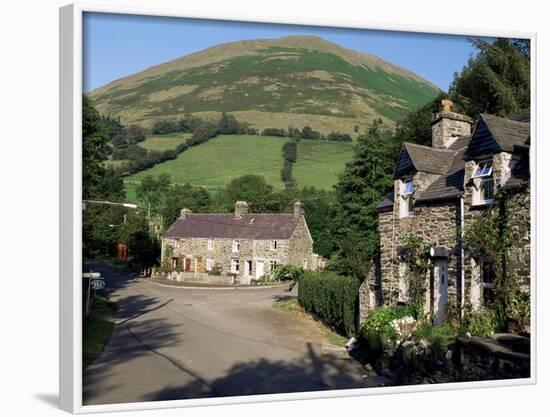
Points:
[(495, 134), (226, 226), (387, 204), (452, 184), (422, 158)]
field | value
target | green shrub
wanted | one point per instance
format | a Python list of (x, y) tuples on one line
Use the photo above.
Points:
[(287, 273), (439, 336), (482, 323), (377, 329), (332, 297)]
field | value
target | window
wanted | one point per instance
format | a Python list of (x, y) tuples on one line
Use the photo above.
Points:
[(272, 266), (484, 184), (210, 244), (487, 283), (236, 246), (235, 266), (484, 169), (273, 245), (209, 264), (406, 206)]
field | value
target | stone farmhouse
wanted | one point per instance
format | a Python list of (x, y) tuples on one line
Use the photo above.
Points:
[(438, 192), (245, 245)]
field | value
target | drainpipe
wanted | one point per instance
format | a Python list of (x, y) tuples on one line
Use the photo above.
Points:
[(462, 257)]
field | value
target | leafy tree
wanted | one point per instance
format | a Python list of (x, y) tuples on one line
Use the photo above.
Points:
[(152, 191), (117, 132), (95, 135), (365, 181), (135, 134), (162, 127), (184, 196), (228, 125), (251, 188), (496, 81)]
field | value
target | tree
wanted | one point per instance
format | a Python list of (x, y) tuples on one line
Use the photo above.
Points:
[(152, 192), (228, 125), (496, 81), (184, 196), (366, 180), (135, 134), (250, 188), (95, 136)]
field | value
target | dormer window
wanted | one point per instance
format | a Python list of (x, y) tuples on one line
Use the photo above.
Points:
[(406, 203), (484, 184)]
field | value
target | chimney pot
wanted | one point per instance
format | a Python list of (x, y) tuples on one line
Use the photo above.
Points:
[(184, 212), (299, 209), (447, 105), (241, 208)]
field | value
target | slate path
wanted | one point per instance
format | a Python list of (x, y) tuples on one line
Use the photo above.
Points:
[(174, 343)]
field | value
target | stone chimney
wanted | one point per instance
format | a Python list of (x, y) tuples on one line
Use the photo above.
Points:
[(241, 208), (447, 126), (299, 209), (184, 212)]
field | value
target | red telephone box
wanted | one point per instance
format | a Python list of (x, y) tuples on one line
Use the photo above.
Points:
[(122, 252)]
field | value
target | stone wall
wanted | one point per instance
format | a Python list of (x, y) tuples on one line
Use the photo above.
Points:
[(193, 277), (301, 246), (518, 208)]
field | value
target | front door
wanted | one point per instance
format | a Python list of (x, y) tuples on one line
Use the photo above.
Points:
[(247, 267), (441, 283), (259, 268), (187, 264)]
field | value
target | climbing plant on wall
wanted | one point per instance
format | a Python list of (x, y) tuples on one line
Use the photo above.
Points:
[(416, 255), (489, 239)]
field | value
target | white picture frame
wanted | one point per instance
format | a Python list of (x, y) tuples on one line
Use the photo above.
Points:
[(70, 261)]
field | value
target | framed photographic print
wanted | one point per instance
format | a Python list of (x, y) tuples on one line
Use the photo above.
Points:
[(260, 211)]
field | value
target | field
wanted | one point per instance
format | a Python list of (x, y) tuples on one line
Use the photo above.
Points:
[(319, 163), (216, 162), (164, 142)]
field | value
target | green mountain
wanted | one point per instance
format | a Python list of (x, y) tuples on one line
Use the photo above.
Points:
[(292, 81)]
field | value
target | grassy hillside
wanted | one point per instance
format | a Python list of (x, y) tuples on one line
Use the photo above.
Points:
[(221, 159), (163, 142), (215, 163), (294, 81), (318, 164)]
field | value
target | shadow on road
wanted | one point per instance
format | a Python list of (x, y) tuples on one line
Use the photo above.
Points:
[(309, 373)]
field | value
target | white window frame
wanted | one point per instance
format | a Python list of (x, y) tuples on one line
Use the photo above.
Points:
[(483, 175), (236, 246), (273, 264), (406, 198), (209, 264), (210, 244), (483, 169), (235, 266), (273, 245)]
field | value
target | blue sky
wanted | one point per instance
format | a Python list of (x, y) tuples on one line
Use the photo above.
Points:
[(119, 45)]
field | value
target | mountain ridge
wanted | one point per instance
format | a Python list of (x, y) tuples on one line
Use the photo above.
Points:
[(299, 79)]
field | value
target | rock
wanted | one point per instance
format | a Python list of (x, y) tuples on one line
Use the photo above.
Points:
[(404, 327), (449, 355)]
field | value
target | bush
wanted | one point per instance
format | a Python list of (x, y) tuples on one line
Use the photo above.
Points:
[(288, 273), (131, 152), (482, 323), (273, 131), (339, 137), (440, 337), (162, 127), (377, 328), (332, 297)]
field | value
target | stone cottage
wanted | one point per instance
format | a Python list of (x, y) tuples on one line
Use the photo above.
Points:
[(438, 192), (246, 245)]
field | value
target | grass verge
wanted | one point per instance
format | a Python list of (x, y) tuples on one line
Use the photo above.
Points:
[(97, 330), (291, 305)]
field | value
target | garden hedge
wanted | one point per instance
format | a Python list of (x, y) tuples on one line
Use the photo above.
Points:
[(332, 297)]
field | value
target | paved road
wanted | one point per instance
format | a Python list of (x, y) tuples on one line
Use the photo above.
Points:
[(174, 343)]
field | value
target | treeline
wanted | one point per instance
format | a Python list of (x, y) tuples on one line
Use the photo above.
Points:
[(140, 159), (306, 133), (290, 150)]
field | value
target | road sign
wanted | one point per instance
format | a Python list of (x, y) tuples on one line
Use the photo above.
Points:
[(98, 284), (91, 275)]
